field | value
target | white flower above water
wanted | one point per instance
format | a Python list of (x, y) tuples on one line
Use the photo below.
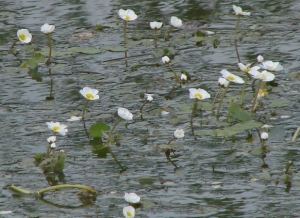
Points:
[(265, 76), (155, 25), (132, 198), (239, 11), (164, 112), (127, 15), (57, 127), (231, 77), (129, 212), (264, 136), (261, 93), (124, 113), (90, 94), (149, 97), (53, 145), (260, 58), (51, 139), (179, 133), (74, 118), (271, 66), (223, 82), (200, 94), (176, 22), (183, 77), (165, 59), (247, 68), (24, 35), (47, 29)]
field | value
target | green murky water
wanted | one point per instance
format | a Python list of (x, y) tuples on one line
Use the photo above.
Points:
[(188, 191)]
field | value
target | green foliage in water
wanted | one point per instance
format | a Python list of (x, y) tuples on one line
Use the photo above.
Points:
[(97, 128), (55, 163)]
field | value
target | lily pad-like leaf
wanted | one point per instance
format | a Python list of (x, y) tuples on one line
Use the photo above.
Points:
[(232, 130), (115, 48), (237, 112), (97, 128), (35, 75), (55, 163), (84, 50), (279, 103)]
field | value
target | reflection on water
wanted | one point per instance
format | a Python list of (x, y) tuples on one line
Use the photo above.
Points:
[(29, 99)]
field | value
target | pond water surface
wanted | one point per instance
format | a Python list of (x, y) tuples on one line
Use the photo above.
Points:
[(189, 190)]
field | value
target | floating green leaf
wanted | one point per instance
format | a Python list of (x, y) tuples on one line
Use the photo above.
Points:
[(84, 50), (237, 112), (115, 48), (97, 128), (279, 103), (55, 163), (232, 130)]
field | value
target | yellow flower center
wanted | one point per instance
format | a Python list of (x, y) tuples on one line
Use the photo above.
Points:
[(198, 95), (128, 213), (263, 76), (22, 36), (247, 69), (89, 96), (262, 92), (127, 17), (230, 78), (55, 128)]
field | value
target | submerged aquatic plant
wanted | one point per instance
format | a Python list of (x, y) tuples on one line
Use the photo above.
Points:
[(48, 29), (89, 94)]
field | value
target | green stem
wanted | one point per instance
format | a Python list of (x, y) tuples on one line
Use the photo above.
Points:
[(155, 38), (167, 153), (168, 34), (14, 43), (192, 116), (108, 141), (141, 109), (235, 38), (243, 90), (84, 109), (221, 101), (50, 49), (255, 98), (52, 188), (171, 140), (125, 37), (215, 98), (176, 77), (126, 57)]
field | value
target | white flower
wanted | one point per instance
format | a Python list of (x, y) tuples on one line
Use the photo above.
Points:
[(124, 113), (265, 76), (132, 198), (209, 32), (90, 94), (231, 77), (264, 136), (179, 133), (223, 82), (149, 97), (266, 126), (271, 66), (260, 58), (200, 94), (155, 25), (47, 29), (261, 93), (127, 15), (24, 35), (183, 77), (51, 139), (74, 118), (247, 68), (53, 145), (165, 59), (57, 127), (238, 11), (176, 22), (129, 212)]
